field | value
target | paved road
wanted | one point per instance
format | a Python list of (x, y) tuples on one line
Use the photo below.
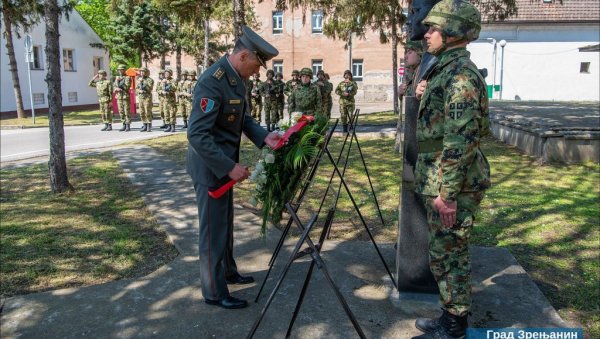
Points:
[(19, 144)]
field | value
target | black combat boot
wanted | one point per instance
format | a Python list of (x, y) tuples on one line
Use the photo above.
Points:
[(448, 326), (345, 128), (123, 127), (172, 128), (127, 127), (164, 125), (149, 128), (184, 123), (167, 129), (109, 127), (143, 129), (105, 127)]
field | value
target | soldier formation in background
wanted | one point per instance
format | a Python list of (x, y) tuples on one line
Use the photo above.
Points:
[(121, 87), (326, 88), (256, 97), (105, 90), (145, 85), (169, 90), (271, 91), (306, 98), (346, 90)]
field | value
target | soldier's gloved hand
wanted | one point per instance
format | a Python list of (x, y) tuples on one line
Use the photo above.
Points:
[(447, 211), (420, 89), (272, 139), (239, 173)]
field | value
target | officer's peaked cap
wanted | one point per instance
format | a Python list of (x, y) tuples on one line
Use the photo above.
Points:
[(264, 51)]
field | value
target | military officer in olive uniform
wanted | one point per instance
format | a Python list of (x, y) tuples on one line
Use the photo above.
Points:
[(121, 87), (306, 98), (182, 94), (270, 91), (326, 88), (256, 97), (280, 96), (104, 89), (346, 90), (219, 117), (144, 93), (451, 173), (290, 86), (169, 90), (161, 98), (187, 96)]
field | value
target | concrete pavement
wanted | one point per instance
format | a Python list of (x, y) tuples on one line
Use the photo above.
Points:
[(168, 302)]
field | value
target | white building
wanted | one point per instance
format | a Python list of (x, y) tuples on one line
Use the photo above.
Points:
[(550, 52), (80, 62)]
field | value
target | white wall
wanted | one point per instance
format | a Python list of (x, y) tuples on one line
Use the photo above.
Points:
[(75, 34), (541, 62)]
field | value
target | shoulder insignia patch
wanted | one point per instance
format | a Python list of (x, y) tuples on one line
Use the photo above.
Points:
[(206, 104), (232, 81), (218, 74)]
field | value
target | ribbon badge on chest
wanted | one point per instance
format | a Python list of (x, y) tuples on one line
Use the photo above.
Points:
[(207, 104)]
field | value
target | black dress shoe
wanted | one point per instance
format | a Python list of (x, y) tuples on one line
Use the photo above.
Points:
[(239, 280), (228, 303)]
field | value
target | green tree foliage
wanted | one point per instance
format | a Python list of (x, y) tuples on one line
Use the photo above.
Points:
[(95, 13)]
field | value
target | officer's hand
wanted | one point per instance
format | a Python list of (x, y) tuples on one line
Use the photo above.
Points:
[(421, 89), (272, 139), (401, 89), (447, 211), (239, 173)]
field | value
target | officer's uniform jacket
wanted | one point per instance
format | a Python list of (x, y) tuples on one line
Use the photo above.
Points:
[(453, 117), (217, 121)]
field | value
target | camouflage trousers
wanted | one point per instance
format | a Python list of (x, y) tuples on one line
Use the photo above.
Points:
[(184, 108), (346, 111), (161, 108), (146, 109), (326, 107), (106, 111), (170, 106), (280, 105), (449, 258), (124, 111), (329, 107), (256, 109), (271, 111)]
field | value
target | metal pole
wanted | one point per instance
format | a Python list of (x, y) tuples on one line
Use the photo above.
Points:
[(350, 51), (30, 92), (29, 59), (502, 44)]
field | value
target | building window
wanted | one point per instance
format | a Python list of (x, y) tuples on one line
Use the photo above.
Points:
[(547, 1), (317, 21), (277, 22), (69, 60), (39, 98), (37, 58), (317, 65), (72, 96), (167, 63), (357, 70), (584, 68), (98, 63), (278, 66)]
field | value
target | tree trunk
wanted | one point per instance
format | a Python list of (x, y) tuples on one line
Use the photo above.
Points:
[(163, 60), (239, 18), (57, 164), (12, 61), (395, 82), (178, 62), (206, 47)]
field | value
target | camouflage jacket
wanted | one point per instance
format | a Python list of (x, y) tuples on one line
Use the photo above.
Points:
[(122, 82), (346, 87), (159, 88), (409, 80), (144, 87), (326, 88), (255, 90), (453, 116), (169, 88), (281, 87), (104, 89), (306, 99), (180, 89), (290, 85), (188, 89), (271, 90)]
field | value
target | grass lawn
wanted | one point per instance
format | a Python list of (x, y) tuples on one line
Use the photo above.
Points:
[(100, 232), (378, 119), (71, 118), (548, 216)]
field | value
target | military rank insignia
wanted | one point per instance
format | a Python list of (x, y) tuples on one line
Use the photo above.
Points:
[(218, 74), (207, 104), (456, 109)]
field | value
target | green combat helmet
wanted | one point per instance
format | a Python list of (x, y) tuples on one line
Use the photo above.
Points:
[(270, 71), (192, 73), (102, 72), (416, 46), (121, 67), (295, 72), (456, 18), (168, 70), (143, 70), (184, 72), (306, 71)]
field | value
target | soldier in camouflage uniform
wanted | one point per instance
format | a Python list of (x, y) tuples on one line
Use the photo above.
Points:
[(346, 90), (306, 98), (161, 98), (270, 89), (121, 87), (187, 97), (451, 173), (326, 88), (104, 89), (181, 94), (144, 93), (290, 86), (169, 91), (256, 97), (330, 100), (413, 52), (280, 96)]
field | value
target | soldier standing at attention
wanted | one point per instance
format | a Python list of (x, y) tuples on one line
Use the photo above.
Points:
[(182, 94), (326, 88), (269, 91), (290, 86), (144, 92), (169, 90), (307, 97), (161, 98), (219, 117), (121, 87), (104, 89), (256, 98), (189, 90), (451, 173), (280, 96), (346, 90), (412, 55), (330, 100)]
